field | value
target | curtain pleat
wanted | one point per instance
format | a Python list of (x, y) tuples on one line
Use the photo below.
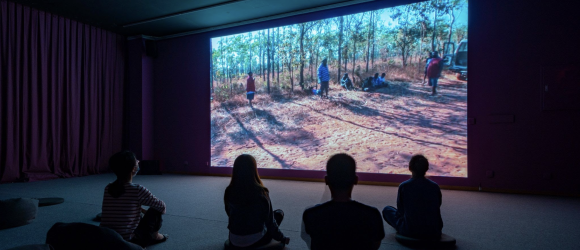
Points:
[(61, 95)]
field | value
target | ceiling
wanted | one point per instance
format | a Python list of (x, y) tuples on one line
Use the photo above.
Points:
[(169, 18)]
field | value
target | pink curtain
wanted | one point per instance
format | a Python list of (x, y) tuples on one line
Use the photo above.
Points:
[(61, 95)]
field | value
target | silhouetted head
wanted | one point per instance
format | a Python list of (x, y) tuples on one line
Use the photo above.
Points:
[(383, 75), (376, 75), (434, 54), (341, 172), (250, 73), (245, 183), (324, 61), (124, 164), (418, 165)]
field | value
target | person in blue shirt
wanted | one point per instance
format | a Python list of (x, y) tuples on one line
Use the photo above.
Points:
[(418, 213), (323, 77)]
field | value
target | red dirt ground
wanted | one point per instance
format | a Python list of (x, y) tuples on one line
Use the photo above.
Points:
[(381, 130)]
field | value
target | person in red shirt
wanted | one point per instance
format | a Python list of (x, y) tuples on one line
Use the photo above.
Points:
[(434, 70), (250, 88)]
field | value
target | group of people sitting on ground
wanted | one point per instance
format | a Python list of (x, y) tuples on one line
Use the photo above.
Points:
[(341, 223), (369, 84), (374, 82)]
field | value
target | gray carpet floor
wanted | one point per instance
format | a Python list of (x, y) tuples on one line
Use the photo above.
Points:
[(196, 218)]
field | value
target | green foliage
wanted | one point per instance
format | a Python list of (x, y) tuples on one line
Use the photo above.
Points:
[(402, 35)]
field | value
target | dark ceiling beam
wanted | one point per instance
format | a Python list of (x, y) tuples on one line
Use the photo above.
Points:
[(262, 19), (182, 13)]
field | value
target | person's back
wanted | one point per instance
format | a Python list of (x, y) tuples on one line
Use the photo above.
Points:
[(123, 201), (418, 213), (343, 225), (434, 67), (419, 202), (251, 220)]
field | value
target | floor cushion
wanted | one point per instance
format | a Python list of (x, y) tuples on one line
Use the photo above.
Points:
[(33, 247), (42, 202), (64, 236), (273, 245), (445, 241), (17, 212)]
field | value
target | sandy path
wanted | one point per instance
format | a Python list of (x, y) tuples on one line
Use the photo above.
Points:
[(381, 130)]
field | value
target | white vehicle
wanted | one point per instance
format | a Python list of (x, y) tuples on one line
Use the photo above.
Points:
[(456, 61)]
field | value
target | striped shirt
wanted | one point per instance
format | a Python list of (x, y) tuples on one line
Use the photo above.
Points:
[(123, 213)]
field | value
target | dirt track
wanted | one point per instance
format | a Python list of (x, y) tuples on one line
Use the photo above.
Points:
[(381, 130)]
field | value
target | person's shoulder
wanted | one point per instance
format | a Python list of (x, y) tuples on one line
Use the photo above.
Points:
[(365, 207), (406, 183), (318, 208), (136, 186), (432, 183)]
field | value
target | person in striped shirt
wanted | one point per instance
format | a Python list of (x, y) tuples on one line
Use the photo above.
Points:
[(123, 201)]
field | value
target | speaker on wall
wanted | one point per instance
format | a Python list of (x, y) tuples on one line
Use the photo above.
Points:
[(150, 47)]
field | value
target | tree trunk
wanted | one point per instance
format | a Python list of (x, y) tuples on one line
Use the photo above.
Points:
[(452, 15), (278, 56), (302, 31), (369, 42), (268, 61), (260, 62), (340, 30), (434, 26)]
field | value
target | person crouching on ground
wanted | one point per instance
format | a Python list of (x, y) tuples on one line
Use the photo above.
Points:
[(343, 223), (418, 213), (252, 222), (323, 78), (346, 83), (250, 88), (123, 201)]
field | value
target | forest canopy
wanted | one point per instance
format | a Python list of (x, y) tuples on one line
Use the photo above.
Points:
[(286, 58)]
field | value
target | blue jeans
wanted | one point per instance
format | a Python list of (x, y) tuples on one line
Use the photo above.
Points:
[(433, 82)]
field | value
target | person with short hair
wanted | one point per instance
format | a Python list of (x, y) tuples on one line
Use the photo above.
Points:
[(323, 77), (123, 201), (346, 83), (251, 221), (418, 213), (343, 223), (250, 88)]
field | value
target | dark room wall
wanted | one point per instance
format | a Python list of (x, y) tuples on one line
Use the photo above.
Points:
[(510, 42)]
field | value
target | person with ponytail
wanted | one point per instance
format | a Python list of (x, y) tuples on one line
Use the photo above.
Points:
[(123, 201), (252, 222)]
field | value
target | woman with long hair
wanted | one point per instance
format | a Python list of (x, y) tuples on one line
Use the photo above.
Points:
[(252, 222), (122, 203)]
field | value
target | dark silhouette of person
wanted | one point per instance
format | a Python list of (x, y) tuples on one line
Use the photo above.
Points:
[(418, 213), (252, 222), (123, 201), (343, 223)]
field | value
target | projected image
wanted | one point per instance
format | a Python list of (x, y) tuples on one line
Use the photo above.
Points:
[(381, 86)]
